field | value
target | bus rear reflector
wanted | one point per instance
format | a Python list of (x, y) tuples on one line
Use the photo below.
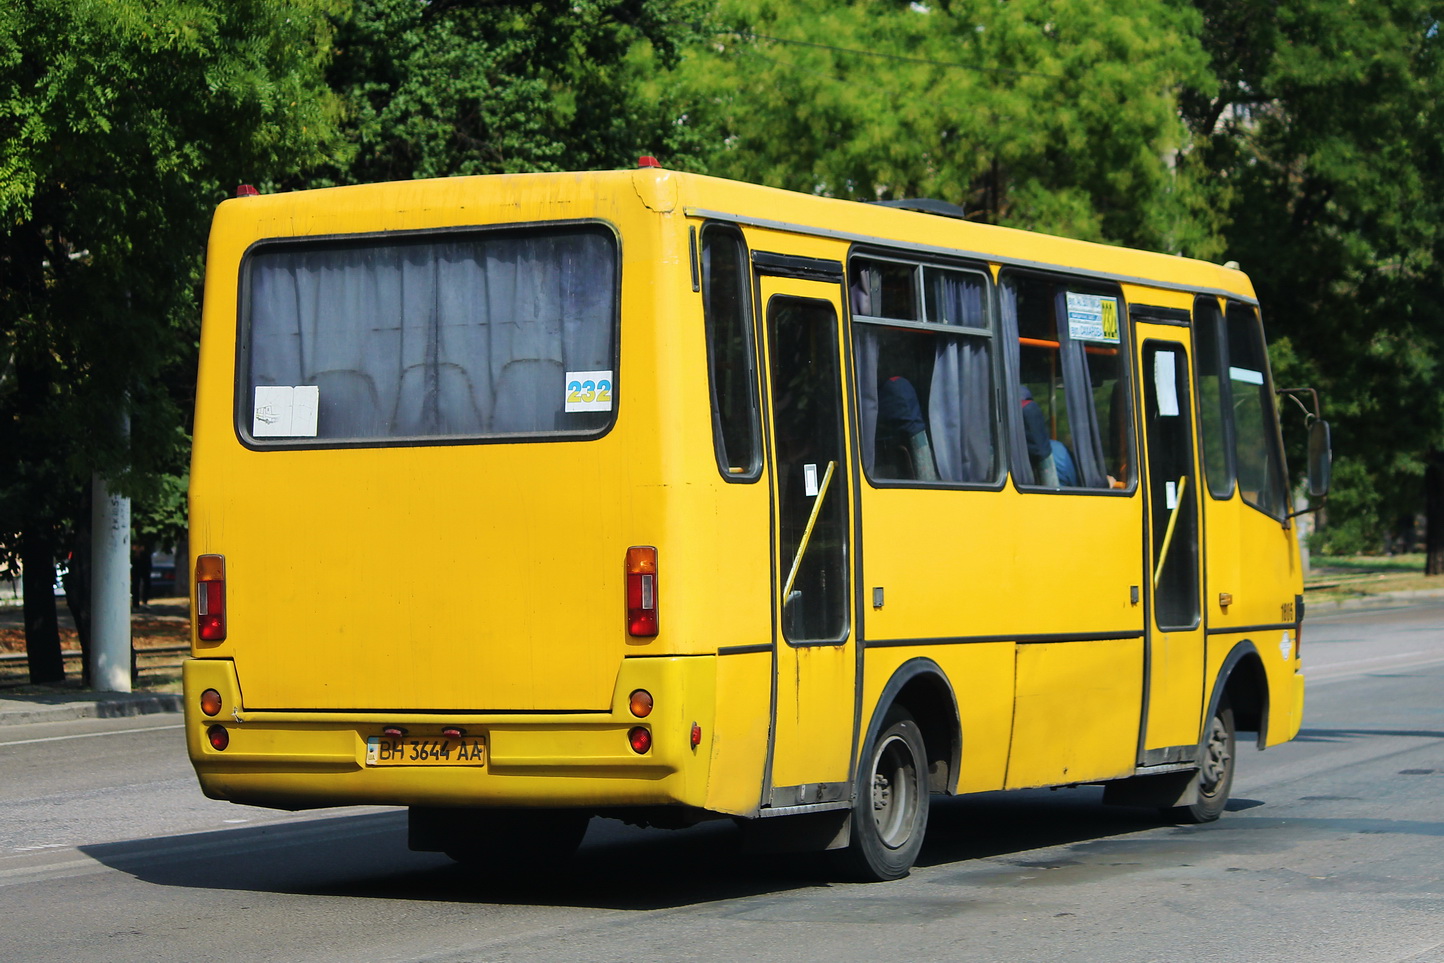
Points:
[(642, 590), (211, 597)]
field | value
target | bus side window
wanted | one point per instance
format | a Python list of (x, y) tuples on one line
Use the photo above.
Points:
[(1068, 365), (923, 350), (731, 373), (1257, 457), (1215, 424)]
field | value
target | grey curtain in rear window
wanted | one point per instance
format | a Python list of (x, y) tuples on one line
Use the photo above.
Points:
[(469, 335)]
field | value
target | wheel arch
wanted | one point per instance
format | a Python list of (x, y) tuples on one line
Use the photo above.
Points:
[(920, 686), (1241, 678)]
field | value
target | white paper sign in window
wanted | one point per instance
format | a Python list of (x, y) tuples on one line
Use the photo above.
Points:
[(285, 411), (1165, 381), (1092, 317), (1246, 375), (589, 391)]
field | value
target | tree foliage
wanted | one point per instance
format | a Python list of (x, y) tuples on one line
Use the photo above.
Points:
[(1057, 117), (449, 87), (1327, 126), (122, 123)]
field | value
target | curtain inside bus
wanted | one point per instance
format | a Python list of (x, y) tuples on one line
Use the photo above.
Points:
[(942, 373), (459, 335)]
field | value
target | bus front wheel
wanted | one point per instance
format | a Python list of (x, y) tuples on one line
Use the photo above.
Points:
[(1215, 771), (890, 809)]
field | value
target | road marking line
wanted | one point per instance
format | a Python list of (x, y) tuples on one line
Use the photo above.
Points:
[(90, 735), (1323, 674)]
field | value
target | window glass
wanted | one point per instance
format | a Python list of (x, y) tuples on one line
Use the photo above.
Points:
[(812, 506), (1068, 364), (1173, 506), (924, 372), (1260, 463), (728, 314), (1213, 399), (454, 336)]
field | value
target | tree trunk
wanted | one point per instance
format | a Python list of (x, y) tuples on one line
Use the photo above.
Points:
[(1434, 513), (42, 624), (77, 584)]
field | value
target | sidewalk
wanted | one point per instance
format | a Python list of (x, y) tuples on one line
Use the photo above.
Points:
[(158, 625), (64, 704)]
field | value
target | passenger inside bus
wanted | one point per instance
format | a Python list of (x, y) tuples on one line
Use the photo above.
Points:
[(902, 432), (1040, 445)]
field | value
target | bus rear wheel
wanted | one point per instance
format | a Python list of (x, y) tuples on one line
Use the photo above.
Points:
[(1215, 771), (890, 809)]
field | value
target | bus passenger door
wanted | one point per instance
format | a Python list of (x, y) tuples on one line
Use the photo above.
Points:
[(1173, 697), (812, 731)]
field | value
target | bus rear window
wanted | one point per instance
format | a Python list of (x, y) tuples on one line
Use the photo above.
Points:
[(429, 337)]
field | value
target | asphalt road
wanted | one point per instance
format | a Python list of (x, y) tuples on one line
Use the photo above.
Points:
[(1333, 851)]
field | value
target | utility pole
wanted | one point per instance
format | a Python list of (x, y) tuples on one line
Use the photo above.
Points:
[(110, 586)]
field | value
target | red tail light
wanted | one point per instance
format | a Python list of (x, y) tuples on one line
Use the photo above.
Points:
[(211, 597), (642, 590)]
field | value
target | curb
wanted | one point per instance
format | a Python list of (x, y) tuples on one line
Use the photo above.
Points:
[(21, 711), (1364, 601)]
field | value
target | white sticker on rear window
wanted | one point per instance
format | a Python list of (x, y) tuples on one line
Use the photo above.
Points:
[(285, 411), (589, 391)]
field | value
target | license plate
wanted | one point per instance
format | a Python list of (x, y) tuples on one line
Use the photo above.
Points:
[(425, 751)]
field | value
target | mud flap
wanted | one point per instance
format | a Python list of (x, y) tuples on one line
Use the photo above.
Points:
[(1164, 790), (803, 833)]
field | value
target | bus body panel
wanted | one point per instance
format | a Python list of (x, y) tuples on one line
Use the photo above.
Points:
[(1076, 712), (301, 760), (980, 675)]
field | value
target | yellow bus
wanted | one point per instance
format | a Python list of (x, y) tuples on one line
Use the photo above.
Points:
[(521, 499)]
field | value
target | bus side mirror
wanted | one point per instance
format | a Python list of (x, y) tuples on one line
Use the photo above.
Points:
[(1321, 459)]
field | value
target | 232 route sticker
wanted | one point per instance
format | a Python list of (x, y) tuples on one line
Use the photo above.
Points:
[(589, 391)]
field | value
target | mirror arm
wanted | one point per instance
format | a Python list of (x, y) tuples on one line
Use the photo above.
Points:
[(1323, 500), (1311, 413)]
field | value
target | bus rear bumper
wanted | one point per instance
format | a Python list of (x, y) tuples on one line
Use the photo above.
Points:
[(301, 760)]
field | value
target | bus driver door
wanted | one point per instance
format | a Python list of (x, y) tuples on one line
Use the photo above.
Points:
[(816, 664)]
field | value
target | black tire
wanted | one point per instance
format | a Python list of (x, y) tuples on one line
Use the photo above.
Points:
[(1215, 772), (890, 809), (520, 841)]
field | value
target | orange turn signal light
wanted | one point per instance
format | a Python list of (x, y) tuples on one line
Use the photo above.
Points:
[(641, 703), (211, 702)]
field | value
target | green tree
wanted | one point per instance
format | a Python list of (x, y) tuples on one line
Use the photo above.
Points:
[(122, 123), (449, 87), (1326, 122), (1057, 117)]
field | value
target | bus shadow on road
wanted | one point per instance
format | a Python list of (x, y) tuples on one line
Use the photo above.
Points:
[(987, 825), (618, 866)]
